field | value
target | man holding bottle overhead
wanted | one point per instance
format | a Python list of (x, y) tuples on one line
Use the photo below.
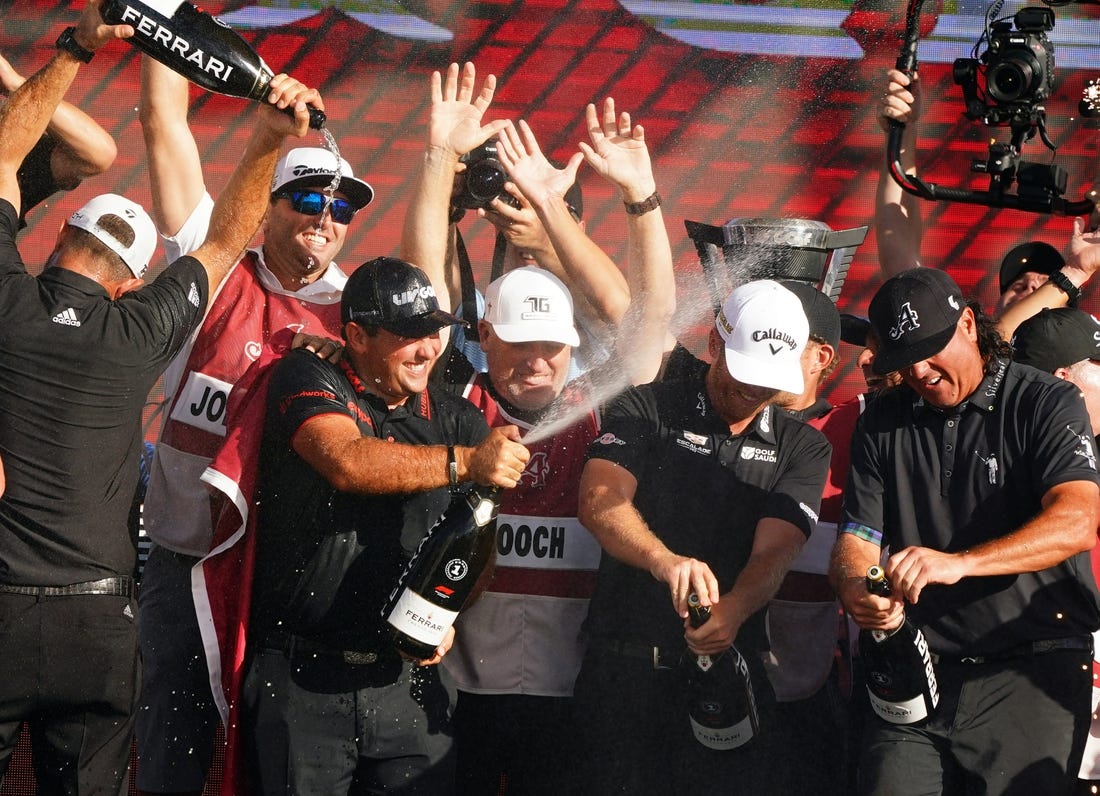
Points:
[(700, 486), (980, 475), (290, 281), (82, 346)]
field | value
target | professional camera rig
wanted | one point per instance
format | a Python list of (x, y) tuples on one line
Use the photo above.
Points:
[(1003, 86)]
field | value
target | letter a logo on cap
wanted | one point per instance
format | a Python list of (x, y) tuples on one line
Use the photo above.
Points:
[(908, 320)]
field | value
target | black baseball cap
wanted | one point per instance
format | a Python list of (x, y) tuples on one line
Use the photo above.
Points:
[(396, 296), (1057, 338), (914, 315), (820, 311), (1042, 258), (853, 329)]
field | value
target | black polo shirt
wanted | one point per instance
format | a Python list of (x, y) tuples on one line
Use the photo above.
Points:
[(75, 371), (326, 560), (702, 491), (951, 479)]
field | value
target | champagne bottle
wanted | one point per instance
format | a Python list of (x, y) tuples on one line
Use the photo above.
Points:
[(901, 678), (721, 705), (198, 46), (441, 576)]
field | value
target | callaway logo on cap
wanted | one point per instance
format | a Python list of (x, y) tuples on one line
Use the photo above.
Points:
[(764, 329)]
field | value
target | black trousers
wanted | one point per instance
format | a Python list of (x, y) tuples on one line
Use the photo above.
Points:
[(69, 667), (632, 734), (1011, 727), (524, 738)]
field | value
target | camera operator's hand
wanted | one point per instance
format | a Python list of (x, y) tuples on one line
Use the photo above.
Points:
[(517, 220), (454, 125), (618, 152), (901, 102)]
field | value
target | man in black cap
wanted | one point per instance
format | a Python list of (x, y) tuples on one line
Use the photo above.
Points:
[(356, 465), (980, 475)]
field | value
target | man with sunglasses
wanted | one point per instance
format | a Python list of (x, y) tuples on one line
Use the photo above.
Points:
[(288, 282)]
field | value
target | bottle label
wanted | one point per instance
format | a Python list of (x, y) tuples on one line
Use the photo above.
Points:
[(904, 712), (723, 738), (422, 620)]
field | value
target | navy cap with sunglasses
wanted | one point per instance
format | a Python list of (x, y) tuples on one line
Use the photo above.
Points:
[(311, 203)]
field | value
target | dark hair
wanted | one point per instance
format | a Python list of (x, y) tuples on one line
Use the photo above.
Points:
[(990, 343), (108, 263)]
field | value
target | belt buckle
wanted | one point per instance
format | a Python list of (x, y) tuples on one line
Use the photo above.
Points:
[(657, 665), (356, 658)]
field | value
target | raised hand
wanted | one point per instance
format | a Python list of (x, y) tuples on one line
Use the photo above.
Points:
[(534, 175), (457, 110), (618, 151)]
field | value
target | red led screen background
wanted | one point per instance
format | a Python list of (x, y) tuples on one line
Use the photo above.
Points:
[(751, 109)]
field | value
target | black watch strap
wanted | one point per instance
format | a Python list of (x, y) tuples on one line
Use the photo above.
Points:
[(67, 42), (1061, 281)]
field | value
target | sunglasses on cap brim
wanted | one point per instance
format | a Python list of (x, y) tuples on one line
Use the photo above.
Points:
[(312, 203)]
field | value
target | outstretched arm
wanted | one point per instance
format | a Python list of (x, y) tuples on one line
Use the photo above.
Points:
[(595, 282), (26, 114), (83, 149), (241, 207), (175, 169), (619, 154), (607, 510), (454, 128), (898, 224), (1083, 260)]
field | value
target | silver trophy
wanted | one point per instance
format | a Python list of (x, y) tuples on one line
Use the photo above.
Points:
[(744, 249)]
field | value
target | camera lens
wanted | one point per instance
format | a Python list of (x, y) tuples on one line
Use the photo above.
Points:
[(1010, 80), (485, 180)]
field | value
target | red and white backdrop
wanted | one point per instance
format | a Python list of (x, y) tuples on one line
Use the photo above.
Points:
[(761, 108)]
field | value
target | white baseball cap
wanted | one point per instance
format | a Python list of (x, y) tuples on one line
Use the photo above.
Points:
[(764, 329), (529, 305), (138, 254), (315, 167)]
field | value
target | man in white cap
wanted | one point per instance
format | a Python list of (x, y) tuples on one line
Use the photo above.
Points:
[(289, 282), (513, 717), (83, 345), (694, 486)]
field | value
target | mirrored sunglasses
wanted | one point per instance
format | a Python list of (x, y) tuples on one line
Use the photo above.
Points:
[(311, 203)]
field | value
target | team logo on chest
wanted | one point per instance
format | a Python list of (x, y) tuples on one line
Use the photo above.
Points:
[(696, 443), (537, 471), (757, 453)]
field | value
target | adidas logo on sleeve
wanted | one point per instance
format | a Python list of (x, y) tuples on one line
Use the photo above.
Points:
[(67, 317)]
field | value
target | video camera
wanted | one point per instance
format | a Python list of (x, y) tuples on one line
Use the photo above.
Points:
[(1009, 82), (1006, 85)]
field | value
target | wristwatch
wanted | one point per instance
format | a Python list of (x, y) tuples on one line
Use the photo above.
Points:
[(67, 42), (452, 466), (651, 202), (1061, 281)]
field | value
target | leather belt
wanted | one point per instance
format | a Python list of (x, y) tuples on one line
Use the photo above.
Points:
[(660, 659), (1068, 644), (120, 586), (290, 645)]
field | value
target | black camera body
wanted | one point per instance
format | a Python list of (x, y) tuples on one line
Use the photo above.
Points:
[(1009, 82), (484, 178)]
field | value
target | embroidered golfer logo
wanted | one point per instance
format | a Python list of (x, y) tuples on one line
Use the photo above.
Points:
[(908, 321), (990, 466)]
